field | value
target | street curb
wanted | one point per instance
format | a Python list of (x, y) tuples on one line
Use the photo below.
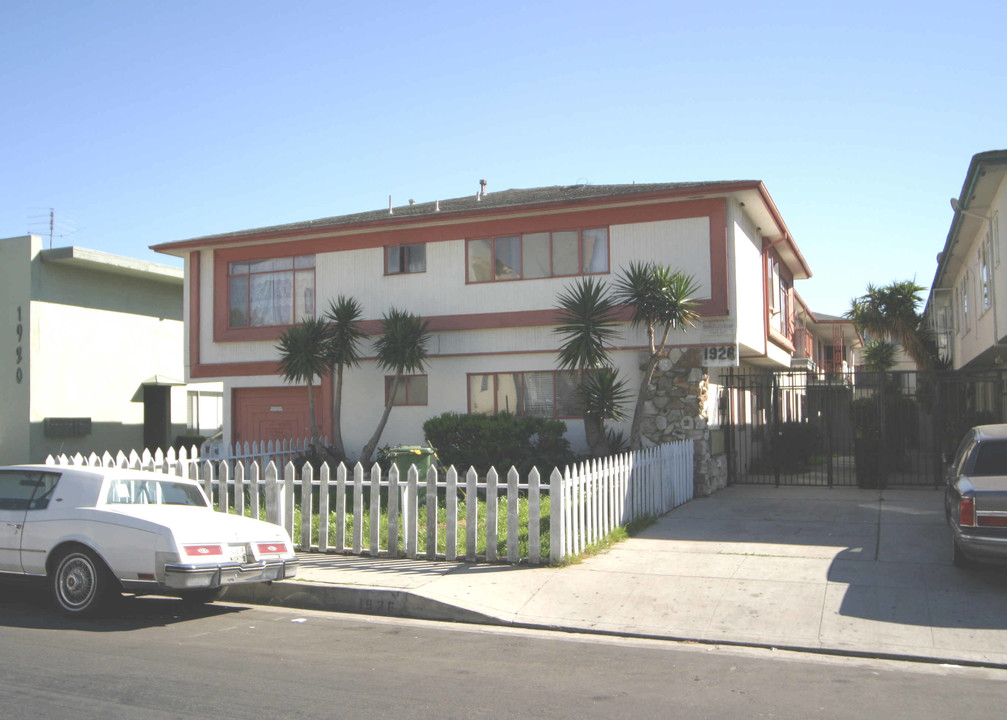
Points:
[(406, 604), (357, 600)]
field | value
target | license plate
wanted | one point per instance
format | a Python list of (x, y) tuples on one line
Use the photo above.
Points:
[(238, 553)]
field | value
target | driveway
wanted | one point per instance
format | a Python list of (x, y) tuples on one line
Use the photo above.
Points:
[(860, 572)]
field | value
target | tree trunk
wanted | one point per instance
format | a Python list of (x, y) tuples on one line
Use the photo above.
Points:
[(312, 423), (338, 450), (372, 444), (636, 429), (594, 433)]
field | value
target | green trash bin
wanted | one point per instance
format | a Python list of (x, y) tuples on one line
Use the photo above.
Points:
[(405, 456)]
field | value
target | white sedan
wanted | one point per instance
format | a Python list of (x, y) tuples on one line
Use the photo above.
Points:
[(97, 532)]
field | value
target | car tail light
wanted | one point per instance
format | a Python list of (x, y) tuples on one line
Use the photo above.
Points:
[(967, 511), (203, 550), (273, 548), (992, 520)]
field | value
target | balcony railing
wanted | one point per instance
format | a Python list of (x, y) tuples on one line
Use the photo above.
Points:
[(804, 343)]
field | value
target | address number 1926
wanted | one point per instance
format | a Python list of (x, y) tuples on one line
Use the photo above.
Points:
[(720, 355)]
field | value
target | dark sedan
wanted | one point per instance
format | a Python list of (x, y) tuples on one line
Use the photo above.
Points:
[(975, 500)]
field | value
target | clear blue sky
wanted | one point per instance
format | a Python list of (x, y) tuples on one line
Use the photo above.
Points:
[(148, 122)]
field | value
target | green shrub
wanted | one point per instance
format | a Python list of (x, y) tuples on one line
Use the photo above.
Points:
[(500, 441)]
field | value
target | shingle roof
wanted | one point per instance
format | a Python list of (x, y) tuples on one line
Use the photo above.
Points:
[(490, 201)]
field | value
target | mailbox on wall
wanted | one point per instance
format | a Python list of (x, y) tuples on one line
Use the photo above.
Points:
[(67, 427)]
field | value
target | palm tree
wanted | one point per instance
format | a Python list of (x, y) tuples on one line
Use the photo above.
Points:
[(891, 312), (588, 320), (303, 356), (401, 349), (879, 356), (343, 350), (661, 299)]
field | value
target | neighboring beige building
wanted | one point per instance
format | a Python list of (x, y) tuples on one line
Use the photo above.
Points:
[(824, 344), (965, 309), (92, 356)]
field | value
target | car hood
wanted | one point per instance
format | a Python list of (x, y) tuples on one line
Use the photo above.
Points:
[(189, 524)]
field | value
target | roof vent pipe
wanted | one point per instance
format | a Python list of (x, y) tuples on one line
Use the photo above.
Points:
[(482, 187), (390, 211), (437, 207)]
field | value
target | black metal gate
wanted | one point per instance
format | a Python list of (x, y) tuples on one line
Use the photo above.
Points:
[(862, 429)]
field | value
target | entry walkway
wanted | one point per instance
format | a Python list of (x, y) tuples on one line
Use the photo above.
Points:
[(860, 572)]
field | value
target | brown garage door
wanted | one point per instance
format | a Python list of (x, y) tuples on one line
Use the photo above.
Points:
[(277, 413)]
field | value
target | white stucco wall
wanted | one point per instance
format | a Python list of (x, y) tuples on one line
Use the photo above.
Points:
[(447, 390), (983, 324), (748, 293), (442, 289)]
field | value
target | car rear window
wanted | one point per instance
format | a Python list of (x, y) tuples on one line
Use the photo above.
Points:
[(153, 492), (991, 459)]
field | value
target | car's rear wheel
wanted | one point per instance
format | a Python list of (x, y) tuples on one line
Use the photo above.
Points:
[(202, 596), (80, 582)]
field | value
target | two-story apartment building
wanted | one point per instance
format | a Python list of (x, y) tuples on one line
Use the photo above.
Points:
[(92, 357), (967, 307), (824, 345), (485, 271)]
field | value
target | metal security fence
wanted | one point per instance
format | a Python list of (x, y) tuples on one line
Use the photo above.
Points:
[(856, 429)]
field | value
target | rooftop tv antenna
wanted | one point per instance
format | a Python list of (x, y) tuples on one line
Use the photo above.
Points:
[(52, 224)]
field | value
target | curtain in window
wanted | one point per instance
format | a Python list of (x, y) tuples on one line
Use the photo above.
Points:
[(507, 254), (270, 299), (595, 244), (539, 393)]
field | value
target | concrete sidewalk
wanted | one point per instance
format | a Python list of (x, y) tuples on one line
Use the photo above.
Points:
[(849, 571)]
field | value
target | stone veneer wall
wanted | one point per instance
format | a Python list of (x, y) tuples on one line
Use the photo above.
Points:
[(676, 409)]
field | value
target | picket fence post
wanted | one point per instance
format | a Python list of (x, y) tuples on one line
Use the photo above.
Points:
[(323, 508), (451, 505), (556, 517), (471, 513), (431, 490), (307, 483), (394, 490)]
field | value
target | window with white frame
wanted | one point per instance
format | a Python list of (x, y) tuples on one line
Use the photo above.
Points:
[(995, 241), (273, 291), (963, 295), (985, 290)]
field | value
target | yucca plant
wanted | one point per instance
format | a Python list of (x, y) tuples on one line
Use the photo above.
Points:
[(588, 320), (401, 349), (661, 300), (343, 350), (303, 357)]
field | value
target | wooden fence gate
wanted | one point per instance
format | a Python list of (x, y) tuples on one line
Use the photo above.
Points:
[(863, 429)]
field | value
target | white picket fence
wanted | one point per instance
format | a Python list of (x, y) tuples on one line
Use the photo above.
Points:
[(279, 451), (582, 504)]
